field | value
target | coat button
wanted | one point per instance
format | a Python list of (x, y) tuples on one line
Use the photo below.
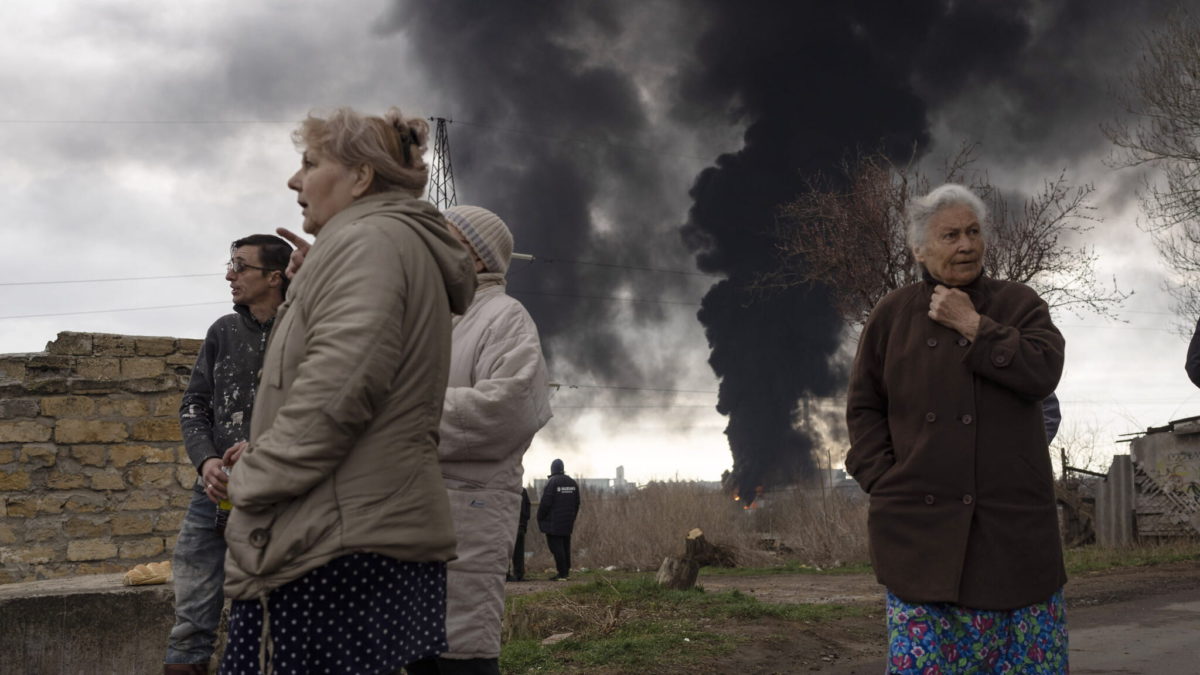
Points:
[(1000, 359), (259, 538), (966, 419), (963, 342), (930, 417), (929, 499), (967, 499), (932, 342)]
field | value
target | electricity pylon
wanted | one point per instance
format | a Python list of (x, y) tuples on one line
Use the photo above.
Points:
[(441, 181)]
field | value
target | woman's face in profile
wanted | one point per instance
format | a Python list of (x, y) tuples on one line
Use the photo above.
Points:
[(324, 187)]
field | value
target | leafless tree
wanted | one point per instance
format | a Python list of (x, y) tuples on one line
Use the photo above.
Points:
[(853, 240), (1162, 131)]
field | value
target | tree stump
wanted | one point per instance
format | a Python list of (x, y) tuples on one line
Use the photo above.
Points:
[(681, 573), (678, 573)]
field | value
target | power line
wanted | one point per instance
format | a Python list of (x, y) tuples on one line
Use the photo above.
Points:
[(610, 298), (98, 281), (627, 267), (109, 311)]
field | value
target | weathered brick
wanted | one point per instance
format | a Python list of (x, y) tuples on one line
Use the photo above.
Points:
[(186, 476), (24, 431), (86, 504), (89, 455), (8, 534), (102, 567), (18, 407), (156, 476), (152, 385), (122, 407), (8, 455), (113, 345), (182, 500), (61, 480), (107, 480), (13, 368), (51, 503), (189, 345), (15, 480), (122, 455), (170, 543), (67, 406), (9, 575), (28, 555), (167, 405), (70, 342), (85, 526), (91, 549), (142, 548), (141, 367), (169, 521), (40, 454), (89, 431), (22, 506), (48, 363), (157, 429), (42, 530), (139, 501), (45, 386), (132, 523), (181, 360), (91, 387), (154, 346), (99, 368), (160, 456)]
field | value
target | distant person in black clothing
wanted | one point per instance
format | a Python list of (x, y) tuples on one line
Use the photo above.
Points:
[(518, 556), (556, 516)]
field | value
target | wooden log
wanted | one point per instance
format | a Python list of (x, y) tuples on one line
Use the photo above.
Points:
[(705, 553)]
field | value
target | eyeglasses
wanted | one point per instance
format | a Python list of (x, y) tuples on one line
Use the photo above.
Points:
[(237, 267)]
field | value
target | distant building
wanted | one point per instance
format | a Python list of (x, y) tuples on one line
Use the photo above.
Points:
[(614, 485)]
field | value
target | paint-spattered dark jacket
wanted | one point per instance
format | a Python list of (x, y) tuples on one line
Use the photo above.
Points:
[(947, 436), (215, 411)]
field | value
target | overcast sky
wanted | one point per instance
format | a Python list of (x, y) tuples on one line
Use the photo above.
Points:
[(140, 138)]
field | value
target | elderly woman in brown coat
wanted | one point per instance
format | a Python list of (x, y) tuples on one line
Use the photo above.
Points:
[(946, 430)]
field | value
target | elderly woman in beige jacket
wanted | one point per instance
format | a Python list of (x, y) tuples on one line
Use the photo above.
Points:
[(497, 399), (341, 530)]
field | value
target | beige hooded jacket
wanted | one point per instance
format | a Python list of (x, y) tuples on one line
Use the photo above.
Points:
[(343, 442), (498, 398)]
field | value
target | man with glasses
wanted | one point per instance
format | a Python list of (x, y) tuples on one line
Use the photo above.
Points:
[(215, 418)]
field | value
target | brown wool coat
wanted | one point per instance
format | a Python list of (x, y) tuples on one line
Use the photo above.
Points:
[(947, 438)]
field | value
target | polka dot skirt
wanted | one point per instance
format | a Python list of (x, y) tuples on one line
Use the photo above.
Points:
[(361, 613)]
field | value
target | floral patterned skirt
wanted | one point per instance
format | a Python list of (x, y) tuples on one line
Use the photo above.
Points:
[(946, 639)]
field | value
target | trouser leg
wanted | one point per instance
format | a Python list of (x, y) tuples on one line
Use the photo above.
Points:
[(560, 548), (518, 556), (198, 567)]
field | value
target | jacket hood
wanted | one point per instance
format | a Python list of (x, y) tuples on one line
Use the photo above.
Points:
[(556, 467), (454, 262)]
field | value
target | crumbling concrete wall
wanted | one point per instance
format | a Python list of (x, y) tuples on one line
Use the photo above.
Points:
[(93, 474)]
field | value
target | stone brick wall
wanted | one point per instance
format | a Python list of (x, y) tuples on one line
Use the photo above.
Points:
[(93, 474)]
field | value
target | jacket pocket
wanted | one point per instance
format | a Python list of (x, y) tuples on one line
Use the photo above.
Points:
[(262, 543), (277, 350)]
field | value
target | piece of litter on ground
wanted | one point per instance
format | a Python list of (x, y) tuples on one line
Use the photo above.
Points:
[(686, 640), (555, 639)]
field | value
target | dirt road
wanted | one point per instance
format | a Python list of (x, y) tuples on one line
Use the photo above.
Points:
[(1125, 620)]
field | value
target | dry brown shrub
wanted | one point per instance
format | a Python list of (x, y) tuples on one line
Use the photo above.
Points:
[(636, 530)]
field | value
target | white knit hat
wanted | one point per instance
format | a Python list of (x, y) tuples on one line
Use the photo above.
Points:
[(489, 236)]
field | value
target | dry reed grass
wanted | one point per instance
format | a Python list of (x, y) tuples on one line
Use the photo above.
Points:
[(636, 530)]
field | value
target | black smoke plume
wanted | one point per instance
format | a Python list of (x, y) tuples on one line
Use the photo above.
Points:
[(556, 123)]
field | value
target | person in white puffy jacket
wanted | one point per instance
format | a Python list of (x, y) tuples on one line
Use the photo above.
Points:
[(497, 399)]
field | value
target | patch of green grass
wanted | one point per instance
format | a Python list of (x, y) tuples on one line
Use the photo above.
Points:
[(1092, 558)]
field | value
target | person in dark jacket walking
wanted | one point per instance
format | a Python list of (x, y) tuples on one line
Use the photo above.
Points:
[(556, 516), (215, 418), (518, 556)]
